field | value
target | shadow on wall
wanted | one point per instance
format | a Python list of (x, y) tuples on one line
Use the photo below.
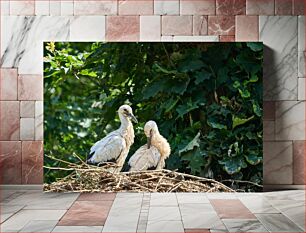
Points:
[(277, 157)]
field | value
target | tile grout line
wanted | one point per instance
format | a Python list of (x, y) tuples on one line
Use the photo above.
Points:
[(9, 197), (221, 219), (143, 216), (54, 226), (67, 210), (108, 211), (280, 212), (180, 211), (12, 216)]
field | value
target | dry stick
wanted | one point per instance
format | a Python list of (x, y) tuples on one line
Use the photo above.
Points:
[(211, 189), (166, 184), (60, 168), (174, 179), (74, 154), (66, 177), (59, 160), (175, 187), (70, 186), (191, 176), (201, 187), (160, 179), (140, 186), (243, 181), (75, 169), (201, 178), (119, 183), (205, 179), (143, 172)]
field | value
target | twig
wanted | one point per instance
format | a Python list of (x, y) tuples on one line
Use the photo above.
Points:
[(59, 160), (160, 179), (243, 181), (199, 178), (60, 168), (175, 187), (74, 154)]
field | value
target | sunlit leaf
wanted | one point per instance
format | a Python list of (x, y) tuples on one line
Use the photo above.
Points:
[(240, 121)]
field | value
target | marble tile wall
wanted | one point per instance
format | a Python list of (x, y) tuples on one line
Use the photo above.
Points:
[(280, 36), (25, 25)]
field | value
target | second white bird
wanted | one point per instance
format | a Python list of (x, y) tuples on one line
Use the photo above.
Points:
[(154, 153)]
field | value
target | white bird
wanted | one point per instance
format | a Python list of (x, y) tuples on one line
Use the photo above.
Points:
[(116, 145), (154, 153)]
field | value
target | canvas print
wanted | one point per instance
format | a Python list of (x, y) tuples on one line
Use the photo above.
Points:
[(153, 117)]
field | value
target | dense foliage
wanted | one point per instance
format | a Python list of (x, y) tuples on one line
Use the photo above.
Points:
[(205, 97)]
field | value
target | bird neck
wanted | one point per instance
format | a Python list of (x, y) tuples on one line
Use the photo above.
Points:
[(125, 123), (126, 130), (161, 144), (155, 138)]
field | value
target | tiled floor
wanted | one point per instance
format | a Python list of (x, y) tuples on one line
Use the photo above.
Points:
[(34, 211)]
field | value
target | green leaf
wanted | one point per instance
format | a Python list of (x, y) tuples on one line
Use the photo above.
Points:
[(233, 165), (215, 124), (255, 46), (256, 109), (211, 135), (169, 105), (192, 144), (240, 121), (50, 46), (222, 75), (66, 69), (153, 88), (197, 125), (244, 93), (247, 62), (195, 159), (88, 73), (252, 158), (250, 135), (186, 108), (234, 150), (201, 76), (158, 68), (191, 65), (178, 86), (236, 84), (253, 79)]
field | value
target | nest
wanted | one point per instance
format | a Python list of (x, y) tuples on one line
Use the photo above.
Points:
[(88, 178)]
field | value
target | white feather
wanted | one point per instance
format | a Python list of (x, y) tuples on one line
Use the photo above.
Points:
[(156, 155), (144, 158), (108, 148), (115, 145)]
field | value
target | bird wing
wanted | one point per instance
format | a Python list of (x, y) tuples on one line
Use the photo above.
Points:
[(155, 155), (144, 158), (107, 148), (102, 142)]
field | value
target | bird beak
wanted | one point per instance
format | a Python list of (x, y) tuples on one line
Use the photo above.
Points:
[(133, 118), (149, 139)]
